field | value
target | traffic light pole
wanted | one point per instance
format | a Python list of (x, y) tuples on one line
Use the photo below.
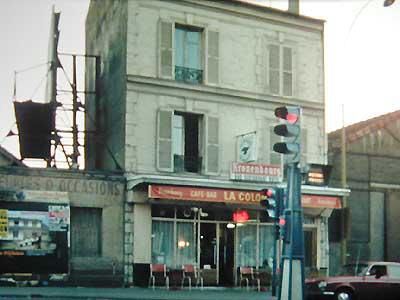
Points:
[(292, 281)]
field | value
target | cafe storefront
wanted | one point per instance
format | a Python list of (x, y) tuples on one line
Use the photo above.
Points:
[(218, 230)]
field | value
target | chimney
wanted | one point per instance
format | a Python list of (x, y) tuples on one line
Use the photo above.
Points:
[(294, 6)]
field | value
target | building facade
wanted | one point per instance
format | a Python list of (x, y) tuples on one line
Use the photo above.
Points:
[(62, 222), (372, 168), (186, 92)]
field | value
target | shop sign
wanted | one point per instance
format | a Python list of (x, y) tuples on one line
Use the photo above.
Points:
[(320, 201), (55, 184), (3, 223), (204, 194), (231, 196), (256, 172)]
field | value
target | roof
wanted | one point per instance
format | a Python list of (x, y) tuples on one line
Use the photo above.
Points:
[(11, 158), (360, 129), (261, 6)]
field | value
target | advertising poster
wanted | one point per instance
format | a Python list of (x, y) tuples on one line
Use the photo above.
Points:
[(36, 239)]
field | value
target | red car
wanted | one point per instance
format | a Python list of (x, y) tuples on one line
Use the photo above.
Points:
[(362, 281)]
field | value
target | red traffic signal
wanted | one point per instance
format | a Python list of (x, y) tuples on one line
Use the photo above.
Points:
[(288, 113), (269, 201)]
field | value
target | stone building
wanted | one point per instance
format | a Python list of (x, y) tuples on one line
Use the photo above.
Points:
[(185, 107), (372, 160)]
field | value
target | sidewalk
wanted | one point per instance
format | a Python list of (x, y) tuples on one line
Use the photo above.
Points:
[(131, 293)]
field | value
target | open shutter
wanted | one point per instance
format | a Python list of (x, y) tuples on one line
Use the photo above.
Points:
[(212, 57), (212, 146), (164, 141), (166, 49)]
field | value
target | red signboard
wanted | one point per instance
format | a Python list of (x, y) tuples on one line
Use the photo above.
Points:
[(204, 194), (231, 196), (319, 201)]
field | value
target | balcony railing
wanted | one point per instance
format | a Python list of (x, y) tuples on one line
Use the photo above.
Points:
[(188, 75)]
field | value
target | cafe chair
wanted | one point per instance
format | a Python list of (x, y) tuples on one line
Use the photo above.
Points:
[(158, 272), (189, 273), (247, 276)]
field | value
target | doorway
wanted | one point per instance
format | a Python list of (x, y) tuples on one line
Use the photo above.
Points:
[(226, 255)]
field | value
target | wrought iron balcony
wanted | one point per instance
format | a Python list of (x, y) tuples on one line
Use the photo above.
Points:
[(188, 75)]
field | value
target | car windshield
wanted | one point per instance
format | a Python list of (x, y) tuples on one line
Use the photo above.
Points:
[(354, 269)]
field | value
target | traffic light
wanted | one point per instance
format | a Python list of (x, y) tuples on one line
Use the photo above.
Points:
[(270, 202), (290, 129)]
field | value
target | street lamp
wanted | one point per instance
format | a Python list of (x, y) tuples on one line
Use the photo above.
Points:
[(388, 2)]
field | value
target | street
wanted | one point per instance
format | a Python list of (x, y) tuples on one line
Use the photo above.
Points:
[(54, 293)]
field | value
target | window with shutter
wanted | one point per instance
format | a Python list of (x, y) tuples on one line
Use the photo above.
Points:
[(280, 70), (274, 64), (213, 57), (188, 62), (164, 143), (212, 146), (166, 49)]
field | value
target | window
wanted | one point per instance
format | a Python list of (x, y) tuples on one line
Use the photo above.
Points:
[(189, 54), (187, 142), (280, 70), (188, 66)]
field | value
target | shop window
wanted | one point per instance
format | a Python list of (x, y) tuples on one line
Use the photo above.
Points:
[(266, 242), (85, 231), (187, 51), (187, 142), (162, 245), (185, 244), (247, 245)]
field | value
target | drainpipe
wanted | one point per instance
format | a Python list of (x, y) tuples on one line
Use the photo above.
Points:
[(294, 6)]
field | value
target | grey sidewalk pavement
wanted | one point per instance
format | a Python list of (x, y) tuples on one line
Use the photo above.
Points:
[(130, 293)]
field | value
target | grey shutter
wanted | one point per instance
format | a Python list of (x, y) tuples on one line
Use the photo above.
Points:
[(166, 51), (212, 57), (212, 146), (287, 72), (274, 65), (164, 141)]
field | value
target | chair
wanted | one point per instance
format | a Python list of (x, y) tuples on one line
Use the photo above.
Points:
[(190, 272), (158, 271), (246, 275)]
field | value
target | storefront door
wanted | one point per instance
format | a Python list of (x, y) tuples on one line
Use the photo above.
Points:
[(226, 254)]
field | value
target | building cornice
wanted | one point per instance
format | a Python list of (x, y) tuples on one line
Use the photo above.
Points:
[(175, 88)]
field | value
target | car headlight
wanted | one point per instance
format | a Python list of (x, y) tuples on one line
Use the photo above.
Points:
[(322, 285)]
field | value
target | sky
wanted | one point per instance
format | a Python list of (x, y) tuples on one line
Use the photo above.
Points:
[(362, 54)]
